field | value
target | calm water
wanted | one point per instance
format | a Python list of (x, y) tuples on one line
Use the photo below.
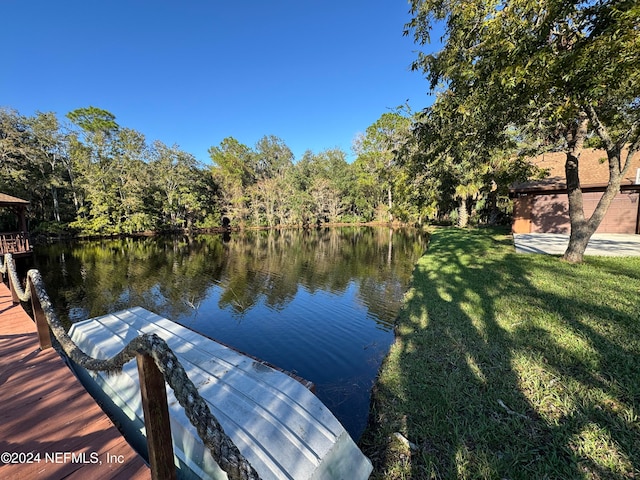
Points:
[(319, 303)]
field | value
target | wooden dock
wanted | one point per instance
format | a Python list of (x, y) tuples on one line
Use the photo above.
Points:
[(50, 427)]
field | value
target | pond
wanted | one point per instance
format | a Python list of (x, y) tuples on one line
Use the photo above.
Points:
[(319, 303)]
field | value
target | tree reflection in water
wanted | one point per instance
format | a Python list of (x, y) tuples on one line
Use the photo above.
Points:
[(318, 302)]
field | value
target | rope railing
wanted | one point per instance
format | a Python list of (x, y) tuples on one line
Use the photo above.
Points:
[(156, 364)]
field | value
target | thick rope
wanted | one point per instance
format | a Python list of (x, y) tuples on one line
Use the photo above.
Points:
[(9, 268), (222, 448)]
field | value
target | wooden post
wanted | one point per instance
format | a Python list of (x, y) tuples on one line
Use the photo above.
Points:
[(22, 218), (156, 419), (14, 294), (42, 326)]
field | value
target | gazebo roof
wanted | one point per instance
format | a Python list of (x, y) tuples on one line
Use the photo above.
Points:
[(9, 201)]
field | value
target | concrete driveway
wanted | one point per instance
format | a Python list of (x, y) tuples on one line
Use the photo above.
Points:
[(601, 244)]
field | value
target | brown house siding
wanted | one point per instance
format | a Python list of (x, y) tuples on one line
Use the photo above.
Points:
[(622, 214), (521, 215), (541, 205), (549, 213)]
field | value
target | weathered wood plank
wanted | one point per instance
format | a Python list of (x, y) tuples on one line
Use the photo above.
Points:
[(156, 415), (45, 410)]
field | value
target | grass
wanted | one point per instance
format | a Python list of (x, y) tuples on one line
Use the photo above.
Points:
[(510, 366)]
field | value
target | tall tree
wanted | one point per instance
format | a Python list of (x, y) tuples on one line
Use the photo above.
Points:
[(14, 149), (180, 184), (234, 170), (94, 120), (560, 68), (92, 150), (298, 204), (33, 152), (330, 184), (366, 190), (379, 147), (272, 157), (132, 180), (459, 145), (49, 157)]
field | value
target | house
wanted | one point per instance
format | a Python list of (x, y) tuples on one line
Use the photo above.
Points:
[(542, 206), (15, 242)]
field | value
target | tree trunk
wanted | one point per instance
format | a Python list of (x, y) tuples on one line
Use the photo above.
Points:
[(580, 232), (76, 201), (581, 228), (56, 205), (390, 202), (578, 241), (463, 215), (494, 212)]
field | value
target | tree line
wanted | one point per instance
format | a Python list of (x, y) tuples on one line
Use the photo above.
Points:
[(89, 175), (92, 176)]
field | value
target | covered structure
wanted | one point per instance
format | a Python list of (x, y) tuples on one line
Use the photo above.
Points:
[(542, 206), (15, 242)]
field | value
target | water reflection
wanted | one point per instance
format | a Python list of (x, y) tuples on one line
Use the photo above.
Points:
[(317, 302)]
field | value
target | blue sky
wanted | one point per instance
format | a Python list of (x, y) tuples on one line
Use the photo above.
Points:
[(192, 72)]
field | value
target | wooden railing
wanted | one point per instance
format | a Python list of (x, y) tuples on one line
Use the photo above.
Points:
[(156, 364), (15, 243)]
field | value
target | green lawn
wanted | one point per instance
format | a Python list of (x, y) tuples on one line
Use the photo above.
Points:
[(511, 366)]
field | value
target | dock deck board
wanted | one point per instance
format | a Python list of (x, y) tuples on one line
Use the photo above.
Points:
[(45, 410)]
